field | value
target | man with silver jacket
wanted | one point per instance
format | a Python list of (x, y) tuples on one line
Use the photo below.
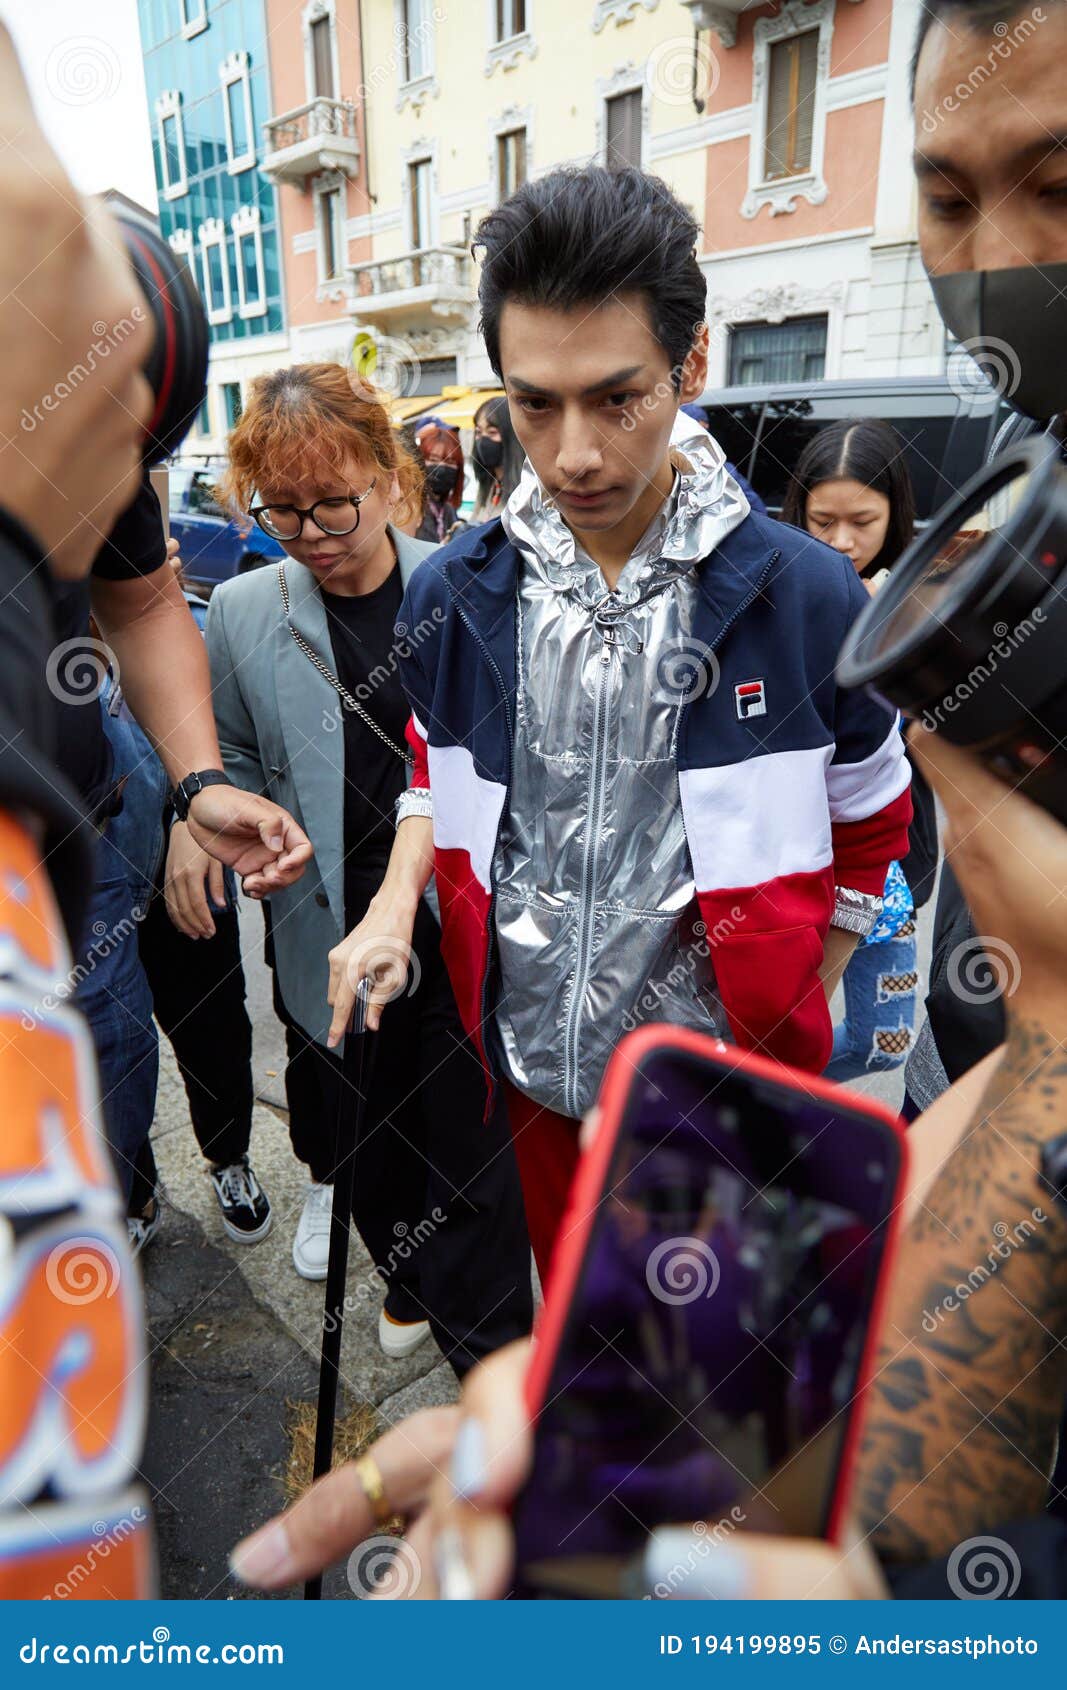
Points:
[(642, 793)]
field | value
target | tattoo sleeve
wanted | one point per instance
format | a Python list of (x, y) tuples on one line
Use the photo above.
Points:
[(969, 1387)]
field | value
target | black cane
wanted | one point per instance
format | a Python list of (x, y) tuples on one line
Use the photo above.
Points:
[(355, 1069)]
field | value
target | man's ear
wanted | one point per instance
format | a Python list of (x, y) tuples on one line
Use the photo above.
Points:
[(695, 369)]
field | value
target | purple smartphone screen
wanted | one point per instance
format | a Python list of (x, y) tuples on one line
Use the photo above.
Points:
[(710, 1357)]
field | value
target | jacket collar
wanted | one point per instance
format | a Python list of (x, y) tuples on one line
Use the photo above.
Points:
[(311, 717), (484, 583)]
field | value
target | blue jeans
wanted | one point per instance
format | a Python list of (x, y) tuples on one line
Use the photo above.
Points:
[(880, 985), (112, 991)]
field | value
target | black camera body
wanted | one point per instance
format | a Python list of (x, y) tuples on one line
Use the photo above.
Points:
[(969, 634), (176, 368)]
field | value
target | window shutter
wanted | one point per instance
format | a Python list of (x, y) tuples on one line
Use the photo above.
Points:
[(624, 130), (322, 58), (808, 53)]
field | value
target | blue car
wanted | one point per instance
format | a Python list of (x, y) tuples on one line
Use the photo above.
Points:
[(212, 545)]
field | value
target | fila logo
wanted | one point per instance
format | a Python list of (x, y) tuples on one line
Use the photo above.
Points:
[(750, 699)]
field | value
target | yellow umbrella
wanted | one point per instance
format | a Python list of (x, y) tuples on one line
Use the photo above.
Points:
[(457, 405), (402, 410)]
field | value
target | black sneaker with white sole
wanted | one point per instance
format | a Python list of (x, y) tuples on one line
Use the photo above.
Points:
[(245, 1209)]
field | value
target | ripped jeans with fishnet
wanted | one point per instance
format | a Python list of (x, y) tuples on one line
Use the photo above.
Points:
[(880, 985)]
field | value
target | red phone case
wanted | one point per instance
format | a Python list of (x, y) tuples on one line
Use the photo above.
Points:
[(575, 1230)]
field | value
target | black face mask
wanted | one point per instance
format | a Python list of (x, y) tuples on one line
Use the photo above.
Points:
[(441, 479), (488, 453), (1014, 325)]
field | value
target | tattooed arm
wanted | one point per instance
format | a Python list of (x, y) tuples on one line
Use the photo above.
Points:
[(972, 1375)]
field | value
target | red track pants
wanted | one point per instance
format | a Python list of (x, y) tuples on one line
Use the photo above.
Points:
[(546, 1148)]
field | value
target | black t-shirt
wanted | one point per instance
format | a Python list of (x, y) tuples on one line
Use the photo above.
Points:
[(361, 634), (137, 546)]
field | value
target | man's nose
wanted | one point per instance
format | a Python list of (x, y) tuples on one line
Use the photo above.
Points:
[(579, 450)]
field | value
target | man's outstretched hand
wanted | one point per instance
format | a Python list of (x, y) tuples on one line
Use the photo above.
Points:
[(256, 838)]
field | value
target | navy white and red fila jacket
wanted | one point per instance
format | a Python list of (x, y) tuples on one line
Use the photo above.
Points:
[(789, 808)]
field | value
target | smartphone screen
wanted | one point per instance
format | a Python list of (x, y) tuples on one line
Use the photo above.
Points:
[(712, 1349)]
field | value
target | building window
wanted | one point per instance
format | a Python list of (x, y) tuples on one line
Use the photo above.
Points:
[(791, 55), (194, 17), (623, 130), (419, 171), (181, 242), (777, 352), (215, 265), (330, 218), (248, 252), (203, 416), (321, 37), (237, 111), (791, 106), (174, 180), (231, 403), (510, 18), (415, 39), (510, 161)]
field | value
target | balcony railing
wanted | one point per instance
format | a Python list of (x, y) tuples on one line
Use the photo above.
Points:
[(320, 135), (438, 277)]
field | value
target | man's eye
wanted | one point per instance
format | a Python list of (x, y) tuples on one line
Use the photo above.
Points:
[(533, 407), (616, 401), (941, 205)]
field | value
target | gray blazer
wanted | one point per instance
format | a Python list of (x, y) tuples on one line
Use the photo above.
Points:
[(281, 735)]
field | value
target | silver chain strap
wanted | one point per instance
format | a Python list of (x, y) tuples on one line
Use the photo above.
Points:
[(328, 675)]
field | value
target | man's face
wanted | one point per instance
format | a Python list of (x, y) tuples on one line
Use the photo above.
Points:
[(991, 142), (593, 403)]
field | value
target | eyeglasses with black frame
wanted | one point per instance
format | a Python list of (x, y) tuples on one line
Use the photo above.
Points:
[(331, 516)]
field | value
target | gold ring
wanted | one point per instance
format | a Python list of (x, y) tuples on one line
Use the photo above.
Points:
[(369, 1475)]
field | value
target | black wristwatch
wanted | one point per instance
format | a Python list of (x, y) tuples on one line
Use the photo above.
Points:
[(187, 789)]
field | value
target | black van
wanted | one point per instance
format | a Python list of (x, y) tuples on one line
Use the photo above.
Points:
[(764, 429)]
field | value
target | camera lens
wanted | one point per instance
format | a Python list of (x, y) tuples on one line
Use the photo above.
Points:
[(969, 634), (176, 367)]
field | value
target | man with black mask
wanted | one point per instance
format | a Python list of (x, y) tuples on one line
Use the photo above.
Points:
[(992, 179)]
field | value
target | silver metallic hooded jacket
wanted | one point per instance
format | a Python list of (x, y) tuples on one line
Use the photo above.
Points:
[(592, 870)]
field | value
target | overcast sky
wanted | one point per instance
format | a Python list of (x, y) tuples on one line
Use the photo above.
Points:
[(83, 64)]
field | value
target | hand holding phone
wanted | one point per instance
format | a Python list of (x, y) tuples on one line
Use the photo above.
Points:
[(711, 1313)]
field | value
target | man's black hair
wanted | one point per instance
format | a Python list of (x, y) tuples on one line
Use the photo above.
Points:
[(583, 236), (968, 14)]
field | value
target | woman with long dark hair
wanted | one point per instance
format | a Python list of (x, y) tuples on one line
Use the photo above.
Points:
[(497, 458), (851, 488), (309, 703)]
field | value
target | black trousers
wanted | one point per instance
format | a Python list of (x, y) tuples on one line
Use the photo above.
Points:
[(437, 1199), (198, 993)]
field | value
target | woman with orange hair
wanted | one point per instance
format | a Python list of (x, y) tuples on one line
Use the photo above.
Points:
[(310, 706)]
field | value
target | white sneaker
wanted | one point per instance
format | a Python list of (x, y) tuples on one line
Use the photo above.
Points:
[(311, 1246), (400, 1338)]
